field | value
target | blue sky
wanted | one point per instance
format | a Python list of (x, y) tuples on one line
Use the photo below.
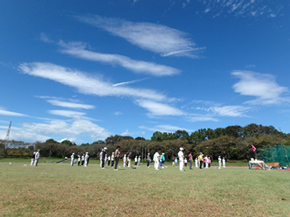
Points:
[(84, 70)]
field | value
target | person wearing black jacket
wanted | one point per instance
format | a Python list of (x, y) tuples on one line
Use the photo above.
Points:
[(32, 159)]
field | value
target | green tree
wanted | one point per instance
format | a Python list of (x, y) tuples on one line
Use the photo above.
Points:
[(68, 142), (182, 134), (157, 137)]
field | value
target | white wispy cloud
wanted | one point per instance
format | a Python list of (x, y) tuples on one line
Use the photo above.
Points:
[(78, 49), (202, 118), (129, 82), (126, 133), (67, 113), (45, 38), (230, 111), (85, 83), (165, 128), (9, 113), (70, 104), (118, 113), (159, 109), (32, 132), (153, 37), (242, 8), (261, 86)]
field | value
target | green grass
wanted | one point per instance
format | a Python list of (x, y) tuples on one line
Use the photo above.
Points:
[(62, 190)]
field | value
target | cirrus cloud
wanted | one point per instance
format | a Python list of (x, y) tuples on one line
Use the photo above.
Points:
[(261, 86), (85, 83), (148, 36)]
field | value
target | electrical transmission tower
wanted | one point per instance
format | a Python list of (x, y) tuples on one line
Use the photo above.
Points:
[(7, 135), (8, 132)]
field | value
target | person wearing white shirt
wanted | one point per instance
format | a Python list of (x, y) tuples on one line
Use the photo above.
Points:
[(87, 159), (124, 159), (37, 155), (156, 159), (109, 160), (83, 159), (196, 162), (181, 159), (79, 159), (112, 159), (219, 159), (101, 156), (72, 158), (206, 162), (224, 163), (139, 160)]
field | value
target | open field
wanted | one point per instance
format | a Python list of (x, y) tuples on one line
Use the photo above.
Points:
[(62, 190)]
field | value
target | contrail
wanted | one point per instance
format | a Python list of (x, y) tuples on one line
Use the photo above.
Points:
[(128, 82)]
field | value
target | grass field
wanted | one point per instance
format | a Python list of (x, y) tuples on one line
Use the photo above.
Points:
[(62, 190)]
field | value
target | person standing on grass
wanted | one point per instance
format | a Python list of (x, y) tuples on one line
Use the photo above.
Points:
[(148, 160), (72, 158), (209, 161), (254, 151), (79, 159), (32, 159), (37, 155), (196, 162), (117, 157), (156, 159), (101, 156), (220, 162), (190, 160), (181, 159), (112, 159), (125, 160), (104, 158), (206, 161), (175, 161), (185, 162), (200, 158), (136, 160), (139, 160), (162, 160), (83, 159), (87, 158), (109, 160), (129, 158), (224, 162)]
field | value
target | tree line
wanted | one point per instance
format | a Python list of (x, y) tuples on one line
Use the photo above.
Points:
[(232, 142)]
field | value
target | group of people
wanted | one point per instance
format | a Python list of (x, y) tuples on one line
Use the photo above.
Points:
[(127, 160), (112, 160), (205, 162), (35, 158), (158, 159), (81, 159)]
